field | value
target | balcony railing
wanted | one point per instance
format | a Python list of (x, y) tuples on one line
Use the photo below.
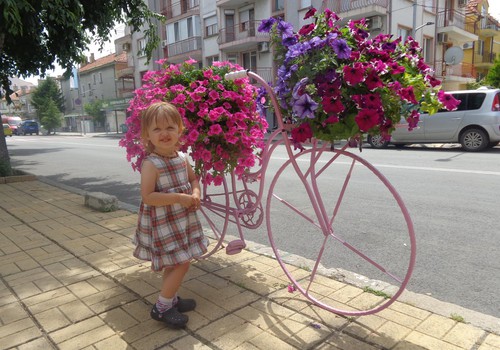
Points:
[(487, 57), (463, 70), (179, 8), (184, 46), (345, 6), (454, 18), (241, 31)]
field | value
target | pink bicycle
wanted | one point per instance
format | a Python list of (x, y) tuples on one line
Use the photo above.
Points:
[(331, 217)]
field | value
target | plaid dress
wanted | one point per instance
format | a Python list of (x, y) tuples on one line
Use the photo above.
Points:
[(169, 235)]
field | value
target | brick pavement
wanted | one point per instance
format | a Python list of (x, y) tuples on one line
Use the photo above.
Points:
[(69, 281)]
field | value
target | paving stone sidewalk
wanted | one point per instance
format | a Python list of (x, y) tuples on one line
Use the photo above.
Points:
[(69, 281)]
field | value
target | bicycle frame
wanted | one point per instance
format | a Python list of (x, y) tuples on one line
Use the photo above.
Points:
[(277, 138)]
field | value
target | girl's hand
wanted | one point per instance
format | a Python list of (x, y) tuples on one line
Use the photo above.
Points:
[(186, 200)]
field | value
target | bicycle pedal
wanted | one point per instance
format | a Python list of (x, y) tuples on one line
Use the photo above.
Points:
[(235, 247)]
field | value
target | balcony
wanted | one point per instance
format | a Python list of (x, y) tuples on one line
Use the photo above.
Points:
[(241, 36), (357, 9), (184, 46), (462, 72), (124, 72), (488, 29), (457, 27), (485, 60), (180, 8)]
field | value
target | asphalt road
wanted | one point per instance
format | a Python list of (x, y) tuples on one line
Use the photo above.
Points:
[(452, 197)]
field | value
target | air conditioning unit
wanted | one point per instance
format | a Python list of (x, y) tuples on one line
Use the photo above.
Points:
[(375, 23), (442, 38), (462, 2), (164, 43), (468, 45), (263, 46)]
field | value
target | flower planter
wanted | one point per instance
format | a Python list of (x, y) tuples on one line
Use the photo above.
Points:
[(17, 176)]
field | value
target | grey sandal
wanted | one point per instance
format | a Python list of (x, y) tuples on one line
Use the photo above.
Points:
[(172, 317), (185, 305)]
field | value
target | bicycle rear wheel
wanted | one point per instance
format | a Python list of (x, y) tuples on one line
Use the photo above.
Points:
[(359, 246)]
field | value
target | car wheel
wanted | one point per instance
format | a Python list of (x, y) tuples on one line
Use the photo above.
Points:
[(377, 141), (474, 140)]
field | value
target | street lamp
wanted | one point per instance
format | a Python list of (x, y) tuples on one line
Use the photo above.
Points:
[(420, 27)]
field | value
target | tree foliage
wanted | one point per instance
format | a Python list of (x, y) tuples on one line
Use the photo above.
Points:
[(51, 117), (493, 76), (94, 109), (47, 90), (36, 34)]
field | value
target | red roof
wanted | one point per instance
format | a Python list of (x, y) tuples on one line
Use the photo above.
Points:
[(104, 61)]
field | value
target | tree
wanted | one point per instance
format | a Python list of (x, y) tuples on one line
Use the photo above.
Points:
[(94, 109), (493, 76), (36, 34), (47, 90), (50, 116)]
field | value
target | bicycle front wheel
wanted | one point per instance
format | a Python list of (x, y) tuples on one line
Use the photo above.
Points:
[(347, 249)]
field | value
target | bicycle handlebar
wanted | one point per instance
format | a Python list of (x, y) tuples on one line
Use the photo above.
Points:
[(237, 74)]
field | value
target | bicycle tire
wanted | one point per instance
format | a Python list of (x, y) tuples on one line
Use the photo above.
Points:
[(373, 293)]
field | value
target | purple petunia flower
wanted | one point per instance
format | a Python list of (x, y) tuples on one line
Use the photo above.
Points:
[(285, 28), (289, 40), (304, 107), (341, 49), (266, 25)]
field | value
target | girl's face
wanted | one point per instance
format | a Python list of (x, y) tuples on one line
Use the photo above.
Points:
[(164, 134)]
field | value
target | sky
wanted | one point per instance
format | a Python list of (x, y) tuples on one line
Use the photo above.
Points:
[(108, 48), (494, 8)]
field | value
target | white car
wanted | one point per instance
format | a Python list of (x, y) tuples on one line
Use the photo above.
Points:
[(475, 124)]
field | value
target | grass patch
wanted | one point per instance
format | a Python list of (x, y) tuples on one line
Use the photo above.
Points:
[(457, 318), (376, 292)]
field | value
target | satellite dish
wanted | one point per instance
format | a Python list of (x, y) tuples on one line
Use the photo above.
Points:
[(454, 55)]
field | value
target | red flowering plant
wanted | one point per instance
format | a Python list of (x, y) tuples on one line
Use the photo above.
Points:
[(224, 133), (336, 82)]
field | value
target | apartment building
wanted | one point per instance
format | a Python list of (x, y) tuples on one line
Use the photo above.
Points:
[(460, 40)]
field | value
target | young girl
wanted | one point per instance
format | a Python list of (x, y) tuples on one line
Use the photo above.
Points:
[(168, 233)]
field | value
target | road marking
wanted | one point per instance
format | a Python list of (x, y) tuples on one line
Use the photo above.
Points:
[(479, 172)]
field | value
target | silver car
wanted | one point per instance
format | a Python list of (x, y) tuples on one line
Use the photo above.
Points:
[(475, 124)]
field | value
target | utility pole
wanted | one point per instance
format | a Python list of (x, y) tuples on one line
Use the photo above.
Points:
[(414, 19)]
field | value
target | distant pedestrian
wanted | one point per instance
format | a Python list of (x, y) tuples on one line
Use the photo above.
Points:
[(169, 233)]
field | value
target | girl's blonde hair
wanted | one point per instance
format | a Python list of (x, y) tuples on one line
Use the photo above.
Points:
[(158, 110)]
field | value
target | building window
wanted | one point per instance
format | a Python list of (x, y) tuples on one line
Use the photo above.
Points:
[(141, 45), (404, 33), (211, 27), (305, 3), (250, 60), (430, 5), (176, 32), (480, 47), (279, 5), (232, 57), (93, 78), (428, 46), (90, 89), (211, 59), (247, 20), (100, 77)]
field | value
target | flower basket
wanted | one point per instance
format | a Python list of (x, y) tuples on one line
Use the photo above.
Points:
[(336, 82), (224, 133)]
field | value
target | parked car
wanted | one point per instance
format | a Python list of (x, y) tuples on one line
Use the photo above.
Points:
[(13, 123), (7, 131), (29, 127), (475, 124)]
